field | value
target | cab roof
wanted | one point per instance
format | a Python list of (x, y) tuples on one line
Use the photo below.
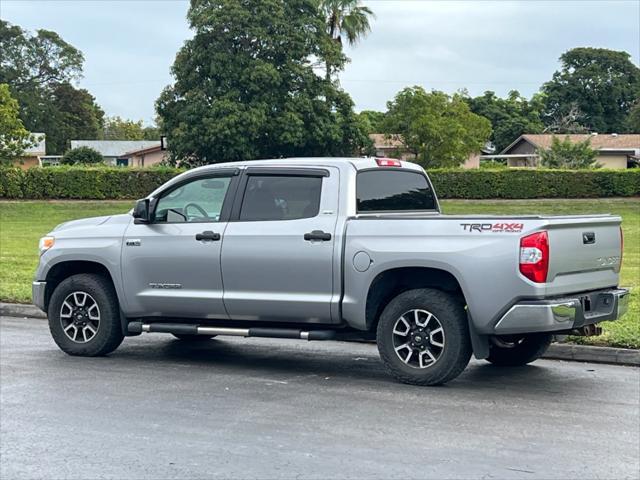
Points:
[(358, 163)]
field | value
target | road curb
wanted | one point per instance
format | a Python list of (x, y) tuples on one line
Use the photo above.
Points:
[(557, 351), (588, 353), (21, 310)]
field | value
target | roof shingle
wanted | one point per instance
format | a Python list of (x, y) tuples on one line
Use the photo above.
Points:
[(598, 142)]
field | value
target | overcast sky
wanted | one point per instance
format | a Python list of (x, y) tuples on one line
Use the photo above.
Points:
[(129, 45)]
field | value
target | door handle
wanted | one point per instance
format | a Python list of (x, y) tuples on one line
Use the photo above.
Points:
[(208, 235), (317, 235)]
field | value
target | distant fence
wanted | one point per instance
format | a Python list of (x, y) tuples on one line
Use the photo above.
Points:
[(124, 183)]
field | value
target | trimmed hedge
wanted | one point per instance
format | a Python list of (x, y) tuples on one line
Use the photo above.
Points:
[(82, 182), (125, 183), (535, 183)]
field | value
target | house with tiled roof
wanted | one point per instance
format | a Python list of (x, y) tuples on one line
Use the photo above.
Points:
[(614, 150), (120, 152)]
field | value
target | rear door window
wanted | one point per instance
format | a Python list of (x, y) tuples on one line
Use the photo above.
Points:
[(393, 191), (274, 197)]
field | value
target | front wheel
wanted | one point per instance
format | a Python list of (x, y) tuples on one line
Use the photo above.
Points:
[(517, 350), (423, 337), (84, 316)]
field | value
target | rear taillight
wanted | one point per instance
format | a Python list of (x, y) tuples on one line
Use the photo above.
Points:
[(621, 248), (534, 256), (388, 162)]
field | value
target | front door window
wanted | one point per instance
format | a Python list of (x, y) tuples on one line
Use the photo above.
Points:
[(199, 201)]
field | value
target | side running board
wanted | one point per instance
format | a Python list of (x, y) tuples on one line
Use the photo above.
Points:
[(189, 329)]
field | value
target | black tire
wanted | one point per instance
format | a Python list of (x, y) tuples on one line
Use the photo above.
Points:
[(108, 332), (455, 353), (192, 338), (513, 351)]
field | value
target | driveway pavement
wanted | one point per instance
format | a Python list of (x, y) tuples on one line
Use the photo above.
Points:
[(257, 408)]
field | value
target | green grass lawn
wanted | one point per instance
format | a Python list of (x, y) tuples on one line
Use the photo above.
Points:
[(22, 223)]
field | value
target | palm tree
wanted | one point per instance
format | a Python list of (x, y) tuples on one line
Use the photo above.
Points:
[(345, 19)]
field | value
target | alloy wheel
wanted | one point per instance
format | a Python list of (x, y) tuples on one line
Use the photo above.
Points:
[(418, 338), (80, 317)]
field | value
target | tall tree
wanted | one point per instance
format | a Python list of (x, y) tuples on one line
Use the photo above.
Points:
[(39, 69), (245, 86), (345, 20), (602, 83), (74, 115), (14, 138), (42, 59), (510, 117), (439, 129)]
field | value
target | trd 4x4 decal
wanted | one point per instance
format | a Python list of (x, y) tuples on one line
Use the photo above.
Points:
[(493, 227)]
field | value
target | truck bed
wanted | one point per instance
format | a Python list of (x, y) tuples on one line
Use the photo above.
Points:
[(482, 253)]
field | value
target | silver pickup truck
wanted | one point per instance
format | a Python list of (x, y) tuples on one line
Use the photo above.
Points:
[(327, 248)]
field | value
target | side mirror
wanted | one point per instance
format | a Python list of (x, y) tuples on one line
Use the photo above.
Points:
[(141, 211)]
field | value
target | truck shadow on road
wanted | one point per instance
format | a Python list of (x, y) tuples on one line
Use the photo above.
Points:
[(340, 362)]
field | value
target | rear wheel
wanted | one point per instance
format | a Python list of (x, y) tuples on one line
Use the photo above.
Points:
[(516, 350), (84, 316), (423, 337), (192, 338)]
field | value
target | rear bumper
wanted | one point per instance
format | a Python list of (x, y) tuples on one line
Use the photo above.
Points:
[(566, 313), (37, 294)]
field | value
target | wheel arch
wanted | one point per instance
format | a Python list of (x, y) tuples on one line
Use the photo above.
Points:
[(392, 282), (67, 268)]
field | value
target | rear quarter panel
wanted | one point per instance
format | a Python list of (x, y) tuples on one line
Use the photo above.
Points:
[(485, 263)]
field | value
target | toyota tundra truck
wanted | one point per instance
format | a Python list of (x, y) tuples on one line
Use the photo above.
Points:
[(330, 249)]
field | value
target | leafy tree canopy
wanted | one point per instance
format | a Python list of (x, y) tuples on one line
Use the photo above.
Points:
[(38, 60), (372, 120), (633, 122), (82, 156), (439, 129), (116, 128), (246, 88), (74, 114), (603, 85), (510, 117), (566, 154), (39, 69), (14, 138)]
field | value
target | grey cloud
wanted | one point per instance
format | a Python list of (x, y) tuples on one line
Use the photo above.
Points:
[(478, 45)]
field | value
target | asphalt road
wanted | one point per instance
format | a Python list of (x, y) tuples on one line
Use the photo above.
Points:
[(256, 408)]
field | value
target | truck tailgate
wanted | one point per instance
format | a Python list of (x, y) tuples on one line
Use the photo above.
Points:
[(583, 245)]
